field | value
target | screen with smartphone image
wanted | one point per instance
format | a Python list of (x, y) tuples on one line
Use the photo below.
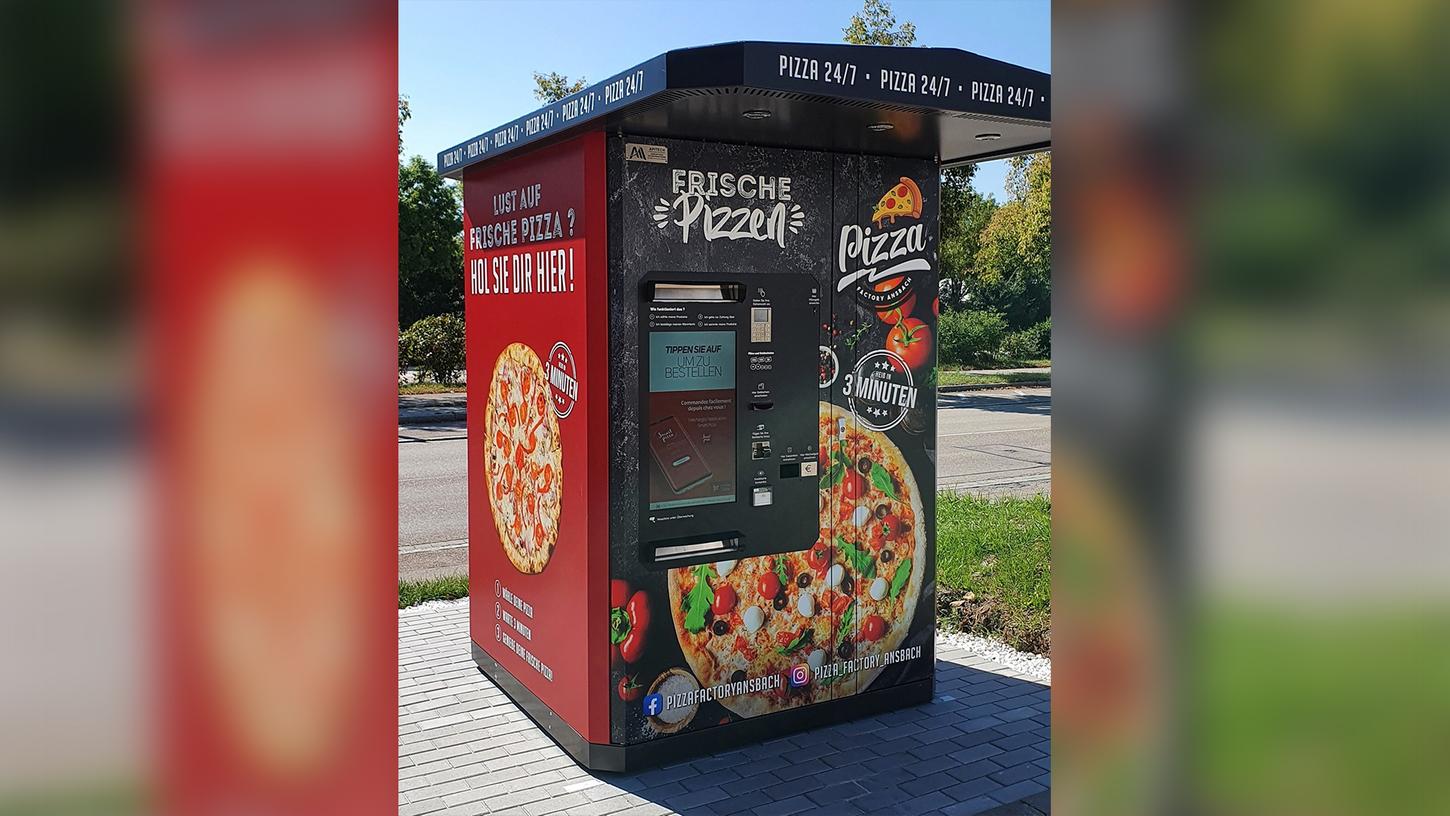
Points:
[(691, 422)]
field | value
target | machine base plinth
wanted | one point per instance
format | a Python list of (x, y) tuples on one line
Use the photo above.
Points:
[(629, 758)]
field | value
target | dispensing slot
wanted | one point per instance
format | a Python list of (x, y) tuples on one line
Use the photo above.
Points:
[(678, 550), (694, 292)]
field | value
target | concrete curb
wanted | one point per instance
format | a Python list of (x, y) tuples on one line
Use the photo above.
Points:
[(951, 389)]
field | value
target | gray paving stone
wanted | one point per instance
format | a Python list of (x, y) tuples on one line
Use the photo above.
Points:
[(976, 770), (971, 807), (967, 756), (784, 807), (1016, 773), (971, 789), (838, 792), (1012, 793)]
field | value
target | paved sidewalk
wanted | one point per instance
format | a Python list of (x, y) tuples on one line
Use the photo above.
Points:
[(464, 748)]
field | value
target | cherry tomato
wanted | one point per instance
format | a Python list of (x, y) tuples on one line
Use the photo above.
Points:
[(638, 611), (891, 525), (629, 690), (853, 486), (910, 339), (632, 646), (618, 592), (724, 600), (768, 585), (899, 312), (819, 557), (872, 628), (839, 603)]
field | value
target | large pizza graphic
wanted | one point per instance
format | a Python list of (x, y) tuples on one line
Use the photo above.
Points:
[(524, 459), (851, 594), (904, 199)]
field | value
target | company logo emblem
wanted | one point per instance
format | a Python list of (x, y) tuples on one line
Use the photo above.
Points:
[(653, 705), (800, 675), (563, 379), (881, 390), (655, 154), (879, 264)]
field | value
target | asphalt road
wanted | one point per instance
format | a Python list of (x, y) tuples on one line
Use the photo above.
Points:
[(990, 443)]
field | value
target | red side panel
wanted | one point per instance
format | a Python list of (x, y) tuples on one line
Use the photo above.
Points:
[(534, 242)]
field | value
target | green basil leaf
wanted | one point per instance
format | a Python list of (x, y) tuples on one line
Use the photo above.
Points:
[(699, 598), (833, 476), (806, 636), (846, 618), (780, 570), (840, 454), (863, 563), (618, 625), (898, 580), (882, 480)]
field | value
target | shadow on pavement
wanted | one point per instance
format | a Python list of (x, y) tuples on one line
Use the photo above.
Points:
[(1037, 404), (982, 742)]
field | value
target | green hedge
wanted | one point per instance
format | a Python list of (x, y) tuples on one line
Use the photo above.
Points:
[(969, 338), (434, 344)]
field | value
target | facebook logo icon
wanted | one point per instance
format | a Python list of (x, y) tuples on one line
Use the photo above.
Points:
[(653, 705)]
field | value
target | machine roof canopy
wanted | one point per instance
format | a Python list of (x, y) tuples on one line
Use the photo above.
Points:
[(921, 102)]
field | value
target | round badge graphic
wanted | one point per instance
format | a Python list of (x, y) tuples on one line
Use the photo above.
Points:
[(563, 379), (881, 390)]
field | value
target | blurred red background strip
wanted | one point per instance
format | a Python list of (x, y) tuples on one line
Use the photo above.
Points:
[(269, 149)]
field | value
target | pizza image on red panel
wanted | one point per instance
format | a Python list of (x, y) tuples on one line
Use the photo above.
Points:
[(904, 199), (524, 459)]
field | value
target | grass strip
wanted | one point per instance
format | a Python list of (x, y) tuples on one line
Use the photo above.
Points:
[(949, 376), (447, 588), (430, 388), (994, 575)]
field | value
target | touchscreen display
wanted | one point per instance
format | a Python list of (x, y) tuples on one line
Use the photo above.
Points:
[(691, 422)]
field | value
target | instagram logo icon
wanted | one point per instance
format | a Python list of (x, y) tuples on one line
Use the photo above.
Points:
[(800, 675)]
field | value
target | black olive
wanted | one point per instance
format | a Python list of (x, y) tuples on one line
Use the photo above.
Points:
[(803, 580), (737, 676), (882, 510), (847, 585), (720, 627), (780, 601), (864, 465), (886, 556), (845, 649)]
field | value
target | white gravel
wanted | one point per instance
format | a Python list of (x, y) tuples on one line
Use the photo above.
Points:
[(1034, 666), (1037, 667)]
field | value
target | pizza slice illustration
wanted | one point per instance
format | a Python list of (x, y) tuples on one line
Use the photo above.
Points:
[(903, 199)]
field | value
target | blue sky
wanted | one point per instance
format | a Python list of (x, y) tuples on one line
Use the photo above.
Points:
[(468, 66)]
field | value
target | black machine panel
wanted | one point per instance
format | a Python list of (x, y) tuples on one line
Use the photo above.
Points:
[(728, 407)]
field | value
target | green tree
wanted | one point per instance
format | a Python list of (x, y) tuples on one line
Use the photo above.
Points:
[(964, 215), (1014, 262), (875, 24), (405, 112), (553, 86), (430, 243)]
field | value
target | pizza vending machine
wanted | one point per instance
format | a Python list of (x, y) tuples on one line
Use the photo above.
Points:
[(701, 303)]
